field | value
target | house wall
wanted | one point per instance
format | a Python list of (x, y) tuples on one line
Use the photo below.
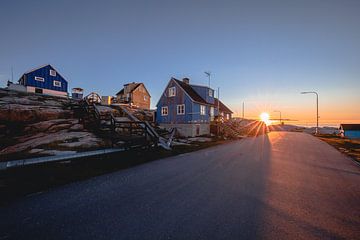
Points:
[(189, 130), (352, 133), (171, 102), (222, 113), (141, 98), (47, 91), (48, 83), (197, 117)]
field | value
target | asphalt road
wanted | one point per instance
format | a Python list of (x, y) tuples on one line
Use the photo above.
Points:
[(279, 186)]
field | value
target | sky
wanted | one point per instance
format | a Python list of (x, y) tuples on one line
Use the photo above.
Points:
[(262, 53)]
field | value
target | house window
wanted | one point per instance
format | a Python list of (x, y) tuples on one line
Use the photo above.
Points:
[(38, 90), (202, 109), (211, 111), (40, 79), (145, 98), (172, 91), (210, 92), (164, 111), (180, 109), (52, 73), (57, 84)]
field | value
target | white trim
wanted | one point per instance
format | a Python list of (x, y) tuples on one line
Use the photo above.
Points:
[(40, 79), (163, 112), (56, 83), (202, 110), (172, 91), (178, 108), (52, 73)]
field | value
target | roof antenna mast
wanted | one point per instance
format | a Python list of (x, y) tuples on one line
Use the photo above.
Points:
[(208, 73)]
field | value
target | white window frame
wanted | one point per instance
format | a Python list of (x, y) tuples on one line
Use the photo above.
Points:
[(211, 92), (180, 109), (56, 83), (212, 111), (172, 91), (52, 73), (202, 110), (40, 79), (164, 111)]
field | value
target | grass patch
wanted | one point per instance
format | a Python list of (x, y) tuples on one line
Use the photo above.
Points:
[(350, 147)]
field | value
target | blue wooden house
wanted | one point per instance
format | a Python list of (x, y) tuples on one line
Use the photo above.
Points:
[(350, 130), (44, 80), (189, 108)]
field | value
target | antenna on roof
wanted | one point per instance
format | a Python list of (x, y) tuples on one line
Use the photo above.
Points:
[(208, 73)]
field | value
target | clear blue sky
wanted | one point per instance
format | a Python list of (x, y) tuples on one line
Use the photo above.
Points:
[(260, 52)]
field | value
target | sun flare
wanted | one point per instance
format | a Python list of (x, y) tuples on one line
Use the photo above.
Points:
[(265, 117)]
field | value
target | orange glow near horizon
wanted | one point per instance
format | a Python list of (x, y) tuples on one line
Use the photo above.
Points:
[(265, 117)]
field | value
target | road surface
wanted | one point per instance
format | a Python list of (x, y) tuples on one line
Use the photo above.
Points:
[(278, 186)]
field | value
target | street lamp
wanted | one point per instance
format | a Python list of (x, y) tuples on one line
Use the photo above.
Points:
[(317, 110), (280, 114)]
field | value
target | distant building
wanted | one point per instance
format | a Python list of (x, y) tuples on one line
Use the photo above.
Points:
[(187, 107), (106, 100), (134, 94), (77, 93), (224, 111), (44, 80), (350, 130)]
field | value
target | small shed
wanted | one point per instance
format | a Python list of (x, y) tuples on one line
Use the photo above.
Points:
[(77, 93), (350, 130)]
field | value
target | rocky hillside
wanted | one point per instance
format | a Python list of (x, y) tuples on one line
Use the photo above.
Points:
[(36, 125)]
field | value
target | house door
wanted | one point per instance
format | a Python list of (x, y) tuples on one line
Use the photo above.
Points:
[(38, 90), (197, 130)]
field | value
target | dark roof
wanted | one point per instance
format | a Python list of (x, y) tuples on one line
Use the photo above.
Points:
[(191, 92), (133, 86), (350, 126), (120, 92), (222, 106)]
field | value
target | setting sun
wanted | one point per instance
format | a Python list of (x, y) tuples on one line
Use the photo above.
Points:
[(265, 118)]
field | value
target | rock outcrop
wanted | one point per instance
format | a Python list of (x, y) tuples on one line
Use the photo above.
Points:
[(35, 125)]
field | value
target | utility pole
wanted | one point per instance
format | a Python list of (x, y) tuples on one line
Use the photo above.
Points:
[(12, 74), (317, 110), (243, 110), (218, 111), (280, 115), (208, 73)]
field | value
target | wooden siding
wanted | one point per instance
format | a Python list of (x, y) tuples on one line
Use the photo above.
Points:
[(140, 97), (28, 79), (192, 109)]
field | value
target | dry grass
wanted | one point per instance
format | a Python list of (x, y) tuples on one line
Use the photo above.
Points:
[(350, 147)]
